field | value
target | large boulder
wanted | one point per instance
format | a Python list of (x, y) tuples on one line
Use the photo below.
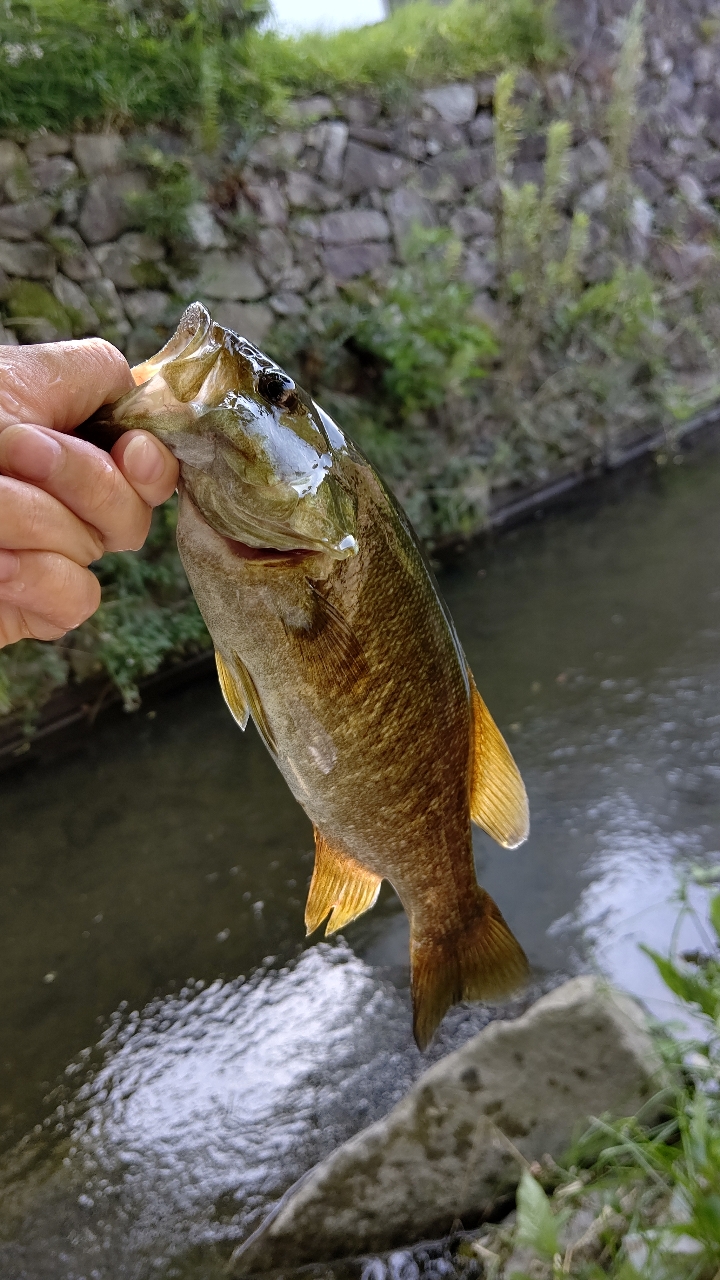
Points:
[(456, 1141)]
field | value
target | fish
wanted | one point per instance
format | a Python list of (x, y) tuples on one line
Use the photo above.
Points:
[(330, 632)]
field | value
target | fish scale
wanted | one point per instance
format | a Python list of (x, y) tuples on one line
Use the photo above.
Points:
[(329, 631)]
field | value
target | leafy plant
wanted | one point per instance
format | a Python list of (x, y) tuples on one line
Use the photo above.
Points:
[(163, 210)]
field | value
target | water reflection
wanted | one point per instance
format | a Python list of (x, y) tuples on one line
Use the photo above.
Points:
[(170, 847)]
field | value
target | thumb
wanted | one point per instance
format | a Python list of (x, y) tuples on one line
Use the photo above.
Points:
[(59, 384)]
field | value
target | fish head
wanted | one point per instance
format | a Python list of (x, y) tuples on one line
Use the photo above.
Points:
[(260, 461)]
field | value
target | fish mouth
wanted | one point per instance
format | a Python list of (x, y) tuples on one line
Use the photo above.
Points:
[(268, 555)]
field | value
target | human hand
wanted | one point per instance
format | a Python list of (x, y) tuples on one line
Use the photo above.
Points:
[(63, 502)]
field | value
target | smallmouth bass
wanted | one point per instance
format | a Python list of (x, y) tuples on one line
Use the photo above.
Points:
[(329, 632)]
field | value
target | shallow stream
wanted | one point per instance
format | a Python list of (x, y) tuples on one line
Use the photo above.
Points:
[(173, 1053)]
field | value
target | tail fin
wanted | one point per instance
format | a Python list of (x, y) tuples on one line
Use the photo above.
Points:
[(481, 961)]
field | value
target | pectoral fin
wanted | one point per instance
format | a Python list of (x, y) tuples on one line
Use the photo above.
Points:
[(498, 801), (241, 696), (330, 653), (339, 885), (232, 691)]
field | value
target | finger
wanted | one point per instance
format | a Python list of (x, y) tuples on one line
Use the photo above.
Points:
[(48, 584), (148, 465), (83, 478), (33, 520), (59, 384), (17, 624)]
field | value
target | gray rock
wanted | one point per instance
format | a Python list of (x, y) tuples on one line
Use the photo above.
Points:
[(23, 221), (270, 202), (305, 192), (230, 276), (276, 255), (589, 162), (44, 144), (98, 153), (11, 158), (482, 128), (83, 317), (355, 260), (288, 304), (336, 136), (407, 208), (306, 228), (449, 1147), (447, 175), (105, 299), (456, 103), (251, 322), (53, 174), (316, 108), (20, 184), (106, 210), (352, 226), (76, 260), (205, 230), (593, 201), (123, 260), (472, 221), (142, 342), (276, 151), (34, 261), (705, 61), (367, 168), (146, 307), (690, 188), (478, 270), (650, 185)]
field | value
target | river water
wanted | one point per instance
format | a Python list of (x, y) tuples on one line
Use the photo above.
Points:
[(174, 1054)]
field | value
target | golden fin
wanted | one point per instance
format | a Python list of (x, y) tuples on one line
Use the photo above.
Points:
[(252, 697), (232, 691), (483, 961), (498, 800), (339, 884), (330, 652)]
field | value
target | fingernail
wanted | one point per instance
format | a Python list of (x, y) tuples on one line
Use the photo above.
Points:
[(143, 460), (31, 453), (9, 566)]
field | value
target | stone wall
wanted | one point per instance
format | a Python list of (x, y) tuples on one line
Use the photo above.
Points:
[(331, 196)]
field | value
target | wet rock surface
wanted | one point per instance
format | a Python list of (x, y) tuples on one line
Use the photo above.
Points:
[(454, 1145)]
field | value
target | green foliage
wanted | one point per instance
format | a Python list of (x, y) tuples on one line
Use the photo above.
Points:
[(28, 302), (537, 1225), (163, 210), (420, 328), (199, 63), (419, 44)]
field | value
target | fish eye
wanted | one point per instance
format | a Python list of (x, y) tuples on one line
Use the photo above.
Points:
[(278, 388)]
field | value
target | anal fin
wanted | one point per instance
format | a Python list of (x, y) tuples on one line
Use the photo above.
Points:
[(232, 691), (339, 885), (498, 800)]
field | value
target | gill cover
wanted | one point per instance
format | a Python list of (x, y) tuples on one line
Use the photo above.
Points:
[(257, 457)]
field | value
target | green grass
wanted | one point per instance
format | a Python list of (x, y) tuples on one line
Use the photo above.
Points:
[(65, 64), (421, 44)]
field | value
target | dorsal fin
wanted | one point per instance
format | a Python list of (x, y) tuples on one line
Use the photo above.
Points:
[(339, 884), (232, 691), (498, 800)]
